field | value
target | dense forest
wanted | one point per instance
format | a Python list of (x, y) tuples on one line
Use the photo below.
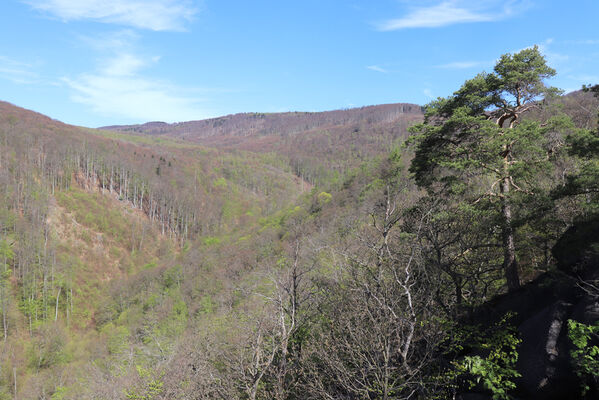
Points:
[(390, 252)]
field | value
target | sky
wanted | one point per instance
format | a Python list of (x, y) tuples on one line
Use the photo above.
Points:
[(104, 62)]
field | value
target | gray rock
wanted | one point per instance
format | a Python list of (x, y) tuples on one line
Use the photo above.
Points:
[(543, 356)]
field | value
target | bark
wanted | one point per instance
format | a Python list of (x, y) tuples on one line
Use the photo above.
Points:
[(57, 298), (510, 263), (4, 322)]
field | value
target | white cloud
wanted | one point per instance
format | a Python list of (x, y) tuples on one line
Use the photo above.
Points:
[(156, 15), (118, 88), (17, 71), (124, 39), (451, 12), (122, 85), (123, 65), (428, 93), (377, 68), (553, 59)]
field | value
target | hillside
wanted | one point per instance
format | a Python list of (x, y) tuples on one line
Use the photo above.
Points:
[(281, 124), (82, 213), (315, 256), (318, 146)]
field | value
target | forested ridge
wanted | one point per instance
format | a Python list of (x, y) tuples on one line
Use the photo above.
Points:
[(377, 253)]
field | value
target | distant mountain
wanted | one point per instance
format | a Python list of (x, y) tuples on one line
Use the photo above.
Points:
[(318, 146), (288, 123)]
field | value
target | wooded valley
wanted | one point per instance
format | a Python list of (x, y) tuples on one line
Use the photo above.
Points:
[(449, 251)]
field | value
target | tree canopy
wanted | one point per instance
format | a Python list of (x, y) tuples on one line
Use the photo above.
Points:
[(477, 145)]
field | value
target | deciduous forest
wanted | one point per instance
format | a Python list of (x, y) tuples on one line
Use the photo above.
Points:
[(446, 251)]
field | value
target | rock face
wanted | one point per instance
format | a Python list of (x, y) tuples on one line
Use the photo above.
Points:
[(577, 251), (543, 356), (543, 308)]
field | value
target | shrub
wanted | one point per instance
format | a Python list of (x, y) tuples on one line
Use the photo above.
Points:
[(585, 354)]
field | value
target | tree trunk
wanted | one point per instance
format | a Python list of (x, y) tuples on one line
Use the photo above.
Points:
[(57, 298), (510, 264), (4, 325)]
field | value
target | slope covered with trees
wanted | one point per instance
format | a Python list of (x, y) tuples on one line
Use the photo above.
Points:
[(459, 263), (317, 146)]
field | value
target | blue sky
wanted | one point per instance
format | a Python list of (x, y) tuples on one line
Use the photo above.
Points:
[(102, 62)]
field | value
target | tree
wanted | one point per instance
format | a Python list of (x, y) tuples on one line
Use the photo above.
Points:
[(457, 244), (378, 328), (6, 255), (584, 145), (476, 146)]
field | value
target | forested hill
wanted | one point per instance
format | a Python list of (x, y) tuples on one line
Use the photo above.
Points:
[(283, 124), (337, 260), (318, 147)]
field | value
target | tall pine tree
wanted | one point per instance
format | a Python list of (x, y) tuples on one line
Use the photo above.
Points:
[(476, 146)]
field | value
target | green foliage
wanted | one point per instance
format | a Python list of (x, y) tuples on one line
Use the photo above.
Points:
[(117, 338), (97, 213), (149, 388), (172, 277), (175, 324), (206, 305), (59, 393), (467, 130), (149, 265), (47, 349), (6, 251), (585, 354), (211, 240), (495, 370), (231, 209), (476, 146), (5, 394), (583, 144), (324, 197), (220, 183)]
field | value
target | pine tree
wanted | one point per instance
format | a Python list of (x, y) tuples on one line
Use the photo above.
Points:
[(476, 146)]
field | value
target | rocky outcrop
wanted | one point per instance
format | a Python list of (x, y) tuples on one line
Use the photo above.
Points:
[(542, 309), (577, 251)]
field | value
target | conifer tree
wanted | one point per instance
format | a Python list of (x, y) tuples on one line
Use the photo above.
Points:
[(584, 144), (476, 146)]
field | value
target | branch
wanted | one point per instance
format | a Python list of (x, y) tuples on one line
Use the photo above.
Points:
[(518, 188), (485, 166), (489, 193)]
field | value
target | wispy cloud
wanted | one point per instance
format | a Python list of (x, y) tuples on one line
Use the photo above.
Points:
[(111, 41), (124, 65), (122, 85), (553, 58), (156, 15), (428, 93), (118, 88), (377, 68), (17, 71), (452, 12)]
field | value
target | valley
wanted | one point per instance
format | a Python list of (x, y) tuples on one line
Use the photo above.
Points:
[(382, 252)]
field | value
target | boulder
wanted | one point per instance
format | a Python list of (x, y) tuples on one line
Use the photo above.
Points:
[(577, 249), (543, 354)]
